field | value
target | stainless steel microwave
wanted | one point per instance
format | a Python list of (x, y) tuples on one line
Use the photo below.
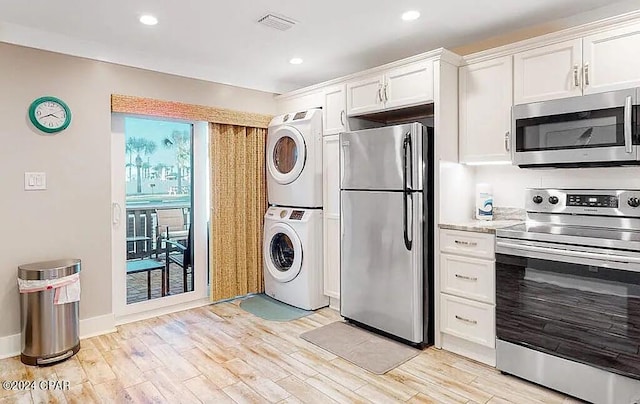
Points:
[(589, 130)]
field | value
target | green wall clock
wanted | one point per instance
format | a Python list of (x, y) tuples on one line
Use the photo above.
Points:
[(49, 114)]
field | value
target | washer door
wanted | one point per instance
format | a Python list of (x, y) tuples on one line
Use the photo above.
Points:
[(286, 154), (283, 252)]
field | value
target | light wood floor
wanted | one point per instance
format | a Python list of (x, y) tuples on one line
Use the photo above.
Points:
[(222, 354)]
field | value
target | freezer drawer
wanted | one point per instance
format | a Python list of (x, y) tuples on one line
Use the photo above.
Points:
[(381, 279), (374, 159)]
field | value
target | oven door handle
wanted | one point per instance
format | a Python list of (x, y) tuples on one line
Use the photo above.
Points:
[(628, 141), (570, 253)]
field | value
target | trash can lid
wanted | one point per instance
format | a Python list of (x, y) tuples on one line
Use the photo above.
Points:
[(49, 269)]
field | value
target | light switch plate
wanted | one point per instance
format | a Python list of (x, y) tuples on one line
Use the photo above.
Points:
[(35, 181)]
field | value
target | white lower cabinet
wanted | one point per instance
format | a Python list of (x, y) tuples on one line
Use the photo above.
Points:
[(468, 294), (468, 319), (331, 214)]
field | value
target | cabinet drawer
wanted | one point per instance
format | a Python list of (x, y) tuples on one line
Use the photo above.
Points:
[(467, 319), (467, 277), (479, 245)]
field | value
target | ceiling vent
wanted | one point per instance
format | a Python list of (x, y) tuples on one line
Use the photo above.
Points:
[(279, 23)]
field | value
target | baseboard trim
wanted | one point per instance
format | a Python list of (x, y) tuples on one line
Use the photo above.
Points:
[(11, 345), (130, 318), (334, 303)]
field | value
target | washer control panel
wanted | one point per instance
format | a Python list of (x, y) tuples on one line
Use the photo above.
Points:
[(296, 214)]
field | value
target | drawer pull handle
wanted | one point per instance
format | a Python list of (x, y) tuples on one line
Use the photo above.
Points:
[(466, 320), (466, 243), (468, 278)]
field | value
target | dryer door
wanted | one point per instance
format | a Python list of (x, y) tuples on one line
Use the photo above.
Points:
[(282, 252), (286, 154)]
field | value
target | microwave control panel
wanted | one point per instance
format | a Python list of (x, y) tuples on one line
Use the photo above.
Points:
[(596, 201)]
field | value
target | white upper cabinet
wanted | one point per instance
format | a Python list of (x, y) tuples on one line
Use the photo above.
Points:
[(548, 73), (612, 60), (409, 85), (597, 63), (334, 110), (485, 110), (299, 103), (365, 95), (404, 86)]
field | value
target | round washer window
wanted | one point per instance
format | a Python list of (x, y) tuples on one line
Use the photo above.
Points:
[(285, 154), (282, 252)]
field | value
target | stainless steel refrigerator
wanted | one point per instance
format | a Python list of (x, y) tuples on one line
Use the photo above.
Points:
[(386, 263)]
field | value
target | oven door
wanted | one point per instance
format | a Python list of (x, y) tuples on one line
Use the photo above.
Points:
[(597, 129), (580, 304)]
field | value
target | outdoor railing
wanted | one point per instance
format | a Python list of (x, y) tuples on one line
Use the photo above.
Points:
[(142, 228)]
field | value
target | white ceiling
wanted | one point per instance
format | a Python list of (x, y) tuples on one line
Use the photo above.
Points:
[(221, 40)]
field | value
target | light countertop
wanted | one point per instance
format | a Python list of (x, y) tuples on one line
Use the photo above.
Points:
[(480, 226)]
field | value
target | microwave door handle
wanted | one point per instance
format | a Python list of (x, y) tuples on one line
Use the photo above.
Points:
[(628, 142)]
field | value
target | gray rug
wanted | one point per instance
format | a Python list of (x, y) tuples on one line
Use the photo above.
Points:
[(365, 349), (270, 309)]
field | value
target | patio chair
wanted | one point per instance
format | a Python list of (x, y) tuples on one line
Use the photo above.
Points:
[(170, 226), (182, 259)]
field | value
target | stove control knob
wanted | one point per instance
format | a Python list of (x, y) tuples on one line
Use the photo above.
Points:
[(553, 200), (633, 202), (537, 199)]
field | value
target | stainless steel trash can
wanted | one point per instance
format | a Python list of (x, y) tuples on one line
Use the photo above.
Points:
[(49, 331)]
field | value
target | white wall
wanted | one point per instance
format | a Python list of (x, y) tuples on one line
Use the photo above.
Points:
[(72, 217), (509, 182)]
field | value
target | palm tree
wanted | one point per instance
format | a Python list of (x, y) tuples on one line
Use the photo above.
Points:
[(138, 147), (180, 142), (159, 169)]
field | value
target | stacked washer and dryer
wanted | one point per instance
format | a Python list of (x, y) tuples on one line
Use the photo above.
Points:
[(293, 223)]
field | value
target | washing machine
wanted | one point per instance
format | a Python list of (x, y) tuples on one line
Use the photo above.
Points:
[(294, 159), (293, 257)]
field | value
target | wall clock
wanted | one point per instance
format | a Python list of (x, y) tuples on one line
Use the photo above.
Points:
[(49, 114)]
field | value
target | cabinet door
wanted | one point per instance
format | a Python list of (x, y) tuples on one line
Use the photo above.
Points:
[(364, 95), (335, 110), (409, 85), (331, 217), (548, 73), (611, 60), (299, 103), (485, 110)]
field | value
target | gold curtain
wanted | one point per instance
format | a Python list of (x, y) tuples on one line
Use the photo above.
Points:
[(238, 205)]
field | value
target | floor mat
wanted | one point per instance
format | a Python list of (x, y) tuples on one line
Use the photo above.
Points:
[(365, 349), (270, 309)]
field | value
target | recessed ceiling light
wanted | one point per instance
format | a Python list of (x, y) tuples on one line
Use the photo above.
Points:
[(411, 15), (148, 19), (296, 61)]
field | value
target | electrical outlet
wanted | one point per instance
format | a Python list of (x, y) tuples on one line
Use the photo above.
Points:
[(35, 181)]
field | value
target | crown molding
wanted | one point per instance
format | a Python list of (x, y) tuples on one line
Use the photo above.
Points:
[(619, 21), (436, 54)]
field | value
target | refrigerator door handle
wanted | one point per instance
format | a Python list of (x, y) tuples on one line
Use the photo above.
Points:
[(407, 219), (406, 191), (407, 173)]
